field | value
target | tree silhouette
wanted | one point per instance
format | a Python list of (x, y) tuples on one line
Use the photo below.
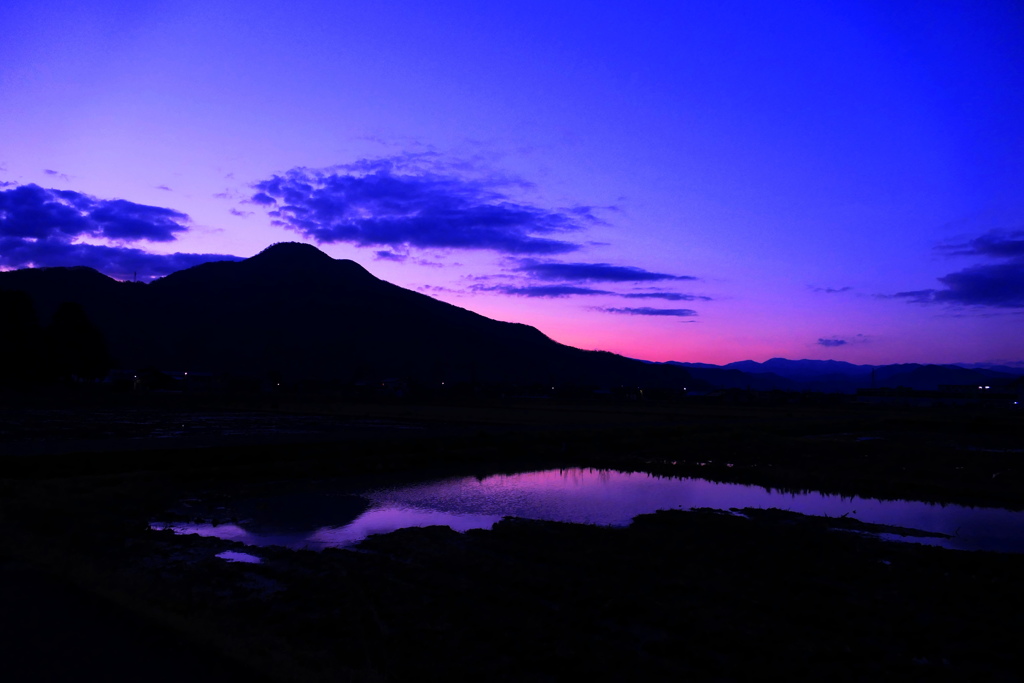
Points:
[(77, 348), (20, 339)]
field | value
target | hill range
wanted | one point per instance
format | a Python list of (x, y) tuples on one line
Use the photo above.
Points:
[(831, 376), (293, 313)]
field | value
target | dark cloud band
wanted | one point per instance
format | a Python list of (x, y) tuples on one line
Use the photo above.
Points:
[(999, 285), (382, 204), (994, 244), (671, 312), (123, 263), (543, 291), (592, 272), (30, 211), (39, 228), (666, 296)]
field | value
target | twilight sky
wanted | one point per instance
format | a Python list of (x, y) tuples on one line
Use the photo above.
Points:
[(686, 181)]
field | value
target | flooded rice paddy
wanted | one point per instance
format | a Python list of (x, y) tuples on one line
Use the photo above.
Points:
[(349, 514)]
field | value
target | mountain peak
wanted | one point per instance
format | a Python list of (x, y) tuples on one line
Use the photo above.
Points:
[(303, 262), (292, 253)]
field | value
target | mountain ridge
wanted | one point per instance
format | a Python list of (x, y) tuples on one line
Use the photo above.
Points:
[(293, 312), (842, 377)]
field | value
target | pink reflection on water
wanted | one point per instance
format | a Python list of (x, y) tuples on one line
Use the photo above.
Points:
[(236, 556), (386, 520), (615, 498)]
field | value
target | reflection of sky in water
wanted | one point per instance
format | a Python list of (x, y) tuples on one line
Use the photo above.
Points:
[(614, 498), (235, 556)]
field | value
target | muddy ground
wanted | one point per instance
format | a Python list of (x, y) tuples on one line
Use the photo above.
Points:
[(708, 595)]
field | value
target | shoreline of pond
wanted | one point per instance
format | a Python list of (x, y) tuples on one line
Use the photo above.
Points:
[(698, 593), (343, 512)]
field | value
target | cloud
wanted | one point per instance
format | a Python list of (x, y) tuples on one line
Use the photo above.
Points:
[(831, 290), (239, 213), (999, 285), (676, 312), (580, 272), (552, 291), (42, 228), (416, 201), (542, 291), (439, 289), (164, 188), (56, 174), (667, 296), (917, 296), (994, 244), (389, 256), (591, 272), (834, 341), (123, 263), (30, 211)]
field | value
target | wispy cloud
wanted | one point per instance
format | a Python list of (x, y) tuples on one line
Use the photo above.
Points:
[(385, 255), (542, 291), (672, 312), (526, 288), (832, 342), (994, 244), (667, 296), (591, 272)]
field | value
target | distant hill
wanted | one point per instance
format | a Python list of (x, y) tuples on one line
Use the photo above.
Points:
[(803, 369), (1014, 368), (294, 313), (839, 376)]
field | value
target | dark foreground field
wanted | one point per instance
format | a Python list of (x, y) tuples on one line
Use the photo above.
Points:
[(703, 595)]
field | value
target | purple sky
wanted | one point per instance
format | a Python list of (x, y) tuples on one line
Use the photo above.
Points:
[(671, 181)]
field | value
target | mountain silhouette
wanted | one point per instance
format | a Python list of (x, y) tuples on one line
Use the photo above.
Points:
[(841, 377), (294, 313)]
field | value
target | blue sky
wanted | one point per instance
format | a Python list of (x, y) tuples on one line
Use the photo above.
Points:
[(673, 181)]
